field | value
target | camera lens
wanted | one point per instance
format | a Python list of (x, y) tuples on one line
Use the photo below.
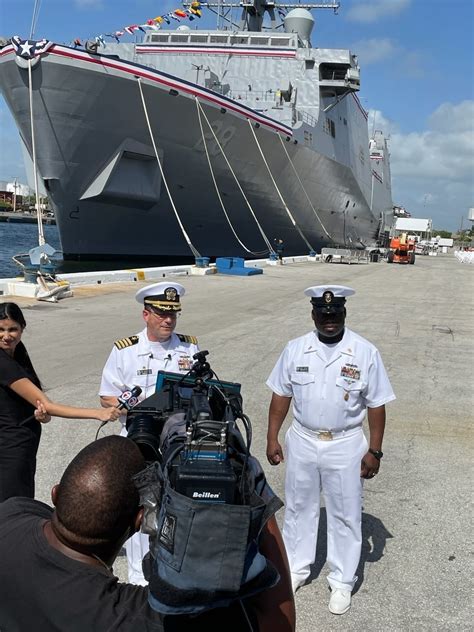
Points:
[(145, 430)]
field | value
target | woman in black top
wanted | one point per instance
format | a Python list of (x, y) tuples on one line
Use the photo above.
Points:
[(20, 395)]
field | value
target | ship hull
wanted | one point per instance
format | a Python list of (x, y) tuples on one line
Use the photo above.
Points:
[(96, 157)]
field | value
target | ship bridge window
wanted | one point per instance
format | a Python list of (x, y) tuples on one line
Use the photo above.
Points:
[(333, 72), (329, 127), (218, 39), (198, 39), (277, 41), (259, 41), (159, 38), (180, 38), (239, 40)]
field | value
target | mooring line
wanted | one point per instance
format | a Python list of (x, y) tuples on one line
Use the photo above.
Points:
[(185, 234), (262, 232), (302, 186), (292, 219)]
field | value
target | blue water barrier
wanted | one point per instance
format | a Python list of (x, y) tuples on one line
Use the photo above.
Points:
[(202, 262), (235, 266)]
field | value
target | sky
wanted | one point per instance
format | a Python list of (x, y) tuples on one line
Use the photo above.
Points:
[(417, 82)]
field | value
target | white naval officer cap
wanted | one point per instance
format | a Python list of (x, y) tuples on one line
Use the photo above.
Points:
[(329, 298), (164, 296)]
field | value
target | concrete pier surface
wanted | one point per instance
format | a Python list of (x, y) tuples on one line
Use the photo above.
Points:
[(415, 571)]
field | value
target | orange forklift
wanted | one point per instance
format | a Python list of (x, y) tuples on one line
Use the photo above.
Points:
[(402, 250)]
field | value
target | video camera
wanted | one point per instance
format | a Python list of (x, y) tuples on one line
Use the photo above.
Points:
[(189, 423), (200, 479)]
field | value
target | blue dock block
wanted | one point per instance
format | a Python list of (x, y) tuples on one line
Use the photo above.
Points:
[(235, 265)]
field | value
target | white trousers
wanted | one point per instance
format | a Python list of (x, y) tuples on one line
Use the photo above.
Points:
[(136, 548), (333, 468)]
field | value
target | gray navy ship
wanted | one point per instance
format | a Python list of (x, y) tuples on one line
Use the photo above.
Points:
[(202, 142)]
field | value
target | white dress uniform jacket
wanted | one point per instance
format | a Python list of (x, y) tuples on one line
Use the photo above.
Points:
[(331, 394), (135, 361), (331, 387)]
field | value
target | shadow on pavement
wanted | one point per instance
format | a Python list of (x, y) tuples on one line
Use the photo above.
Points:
[(374, 539)]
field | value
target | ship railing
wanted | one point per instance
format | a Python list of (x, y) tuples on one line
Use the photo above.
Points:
[(306, 117), (344, 255), (338, 74), (254, 95)]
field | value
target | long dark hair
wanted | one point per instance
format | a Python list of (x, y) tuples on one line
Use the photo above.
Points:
[(13, 312)]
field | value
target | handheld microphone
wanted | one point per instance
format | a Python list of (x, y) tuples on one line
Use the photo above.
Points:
[(128, 399)]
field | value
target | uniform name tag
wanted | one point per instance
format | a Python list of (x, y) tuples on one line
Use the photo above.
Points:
[(302, 369), (350, 371), (144, 372)]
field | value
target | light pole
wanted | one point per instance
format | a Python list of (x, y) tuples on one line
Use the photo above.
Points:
[(15, 185)]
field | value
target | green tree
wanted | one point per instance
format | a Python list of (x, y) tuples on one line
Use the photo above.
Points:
[(445, 234)]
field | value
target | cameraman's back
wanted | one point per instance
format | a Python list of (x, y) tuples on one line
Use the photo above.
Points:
[(44, 590), (50, 583), (55, 564)]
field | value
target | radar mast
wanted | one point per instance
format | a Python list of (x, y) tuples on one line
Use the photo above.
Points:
[(253, 11)]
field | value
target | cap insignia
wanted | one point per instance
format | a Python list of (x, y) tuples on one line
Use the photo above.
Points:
[(170, 294), (328, 296)]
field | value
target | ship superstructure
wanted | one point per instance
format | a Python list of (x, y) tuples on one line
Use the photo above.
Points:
[(208, 142)]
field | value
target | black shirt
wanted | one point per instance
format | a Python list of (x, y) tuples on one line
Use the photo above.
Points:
[(16, 414), (44, 590)]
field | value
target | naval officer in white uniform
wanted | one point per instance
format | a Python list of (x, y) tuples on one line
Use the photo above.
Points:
[(135, 361), (334, 378)]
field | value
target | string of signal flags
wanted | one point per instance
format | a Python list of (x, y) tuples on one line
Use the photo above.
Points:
[(194, 11), (153, 24)]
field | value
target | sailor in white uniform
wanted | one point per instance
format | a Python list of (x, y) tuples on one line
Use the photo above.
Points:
[(136, 360), (334, 377)]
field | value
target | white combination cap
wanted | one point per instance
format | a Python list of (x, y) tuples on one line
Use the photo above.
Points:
[(164, 296), (329, 297), (338, 291)]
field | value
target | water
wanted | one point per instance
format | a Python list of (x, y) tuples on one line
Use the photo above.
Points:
[(19, 238)]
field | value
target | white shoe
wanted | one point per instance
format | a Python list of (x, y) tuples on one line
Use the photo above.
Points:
[(340, 601), (296, 582)]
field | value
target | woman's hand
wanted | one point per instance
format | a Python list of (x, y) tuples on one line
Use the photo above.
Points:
[(108, 414), (40, 413)]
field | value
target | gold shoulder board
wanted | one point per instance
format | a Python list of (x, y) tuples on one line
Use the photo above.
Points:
[(184, 338), (123, 343)]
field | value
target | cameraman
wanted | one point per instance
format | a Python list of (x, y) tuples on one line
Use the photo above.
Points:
[(136, 360), (56, 564)]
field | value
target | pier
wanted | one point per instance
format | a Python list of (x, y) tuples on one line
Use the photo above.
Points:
[(415, 568), (19, 217)]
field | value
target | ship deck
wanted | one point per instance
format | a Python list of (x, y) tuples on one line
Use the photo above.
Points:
[(414, 572)]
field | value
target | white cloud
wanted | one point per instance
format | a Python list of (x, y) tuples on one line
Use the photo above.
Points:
[(445, 150), (449, 117), (376, 9), (433, 170), (11, 160), (370, 51), (377, 121)]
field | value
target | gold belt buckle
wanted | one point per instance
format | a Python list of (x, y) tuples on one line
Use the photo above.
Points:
[(325, 435)]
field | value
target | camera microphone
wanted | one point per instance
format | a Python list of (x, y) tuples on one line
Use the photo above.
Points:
[(128, 399)]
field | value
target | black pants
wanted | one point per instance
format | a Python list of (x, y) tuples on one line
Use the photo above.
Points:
[(18, 464)]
